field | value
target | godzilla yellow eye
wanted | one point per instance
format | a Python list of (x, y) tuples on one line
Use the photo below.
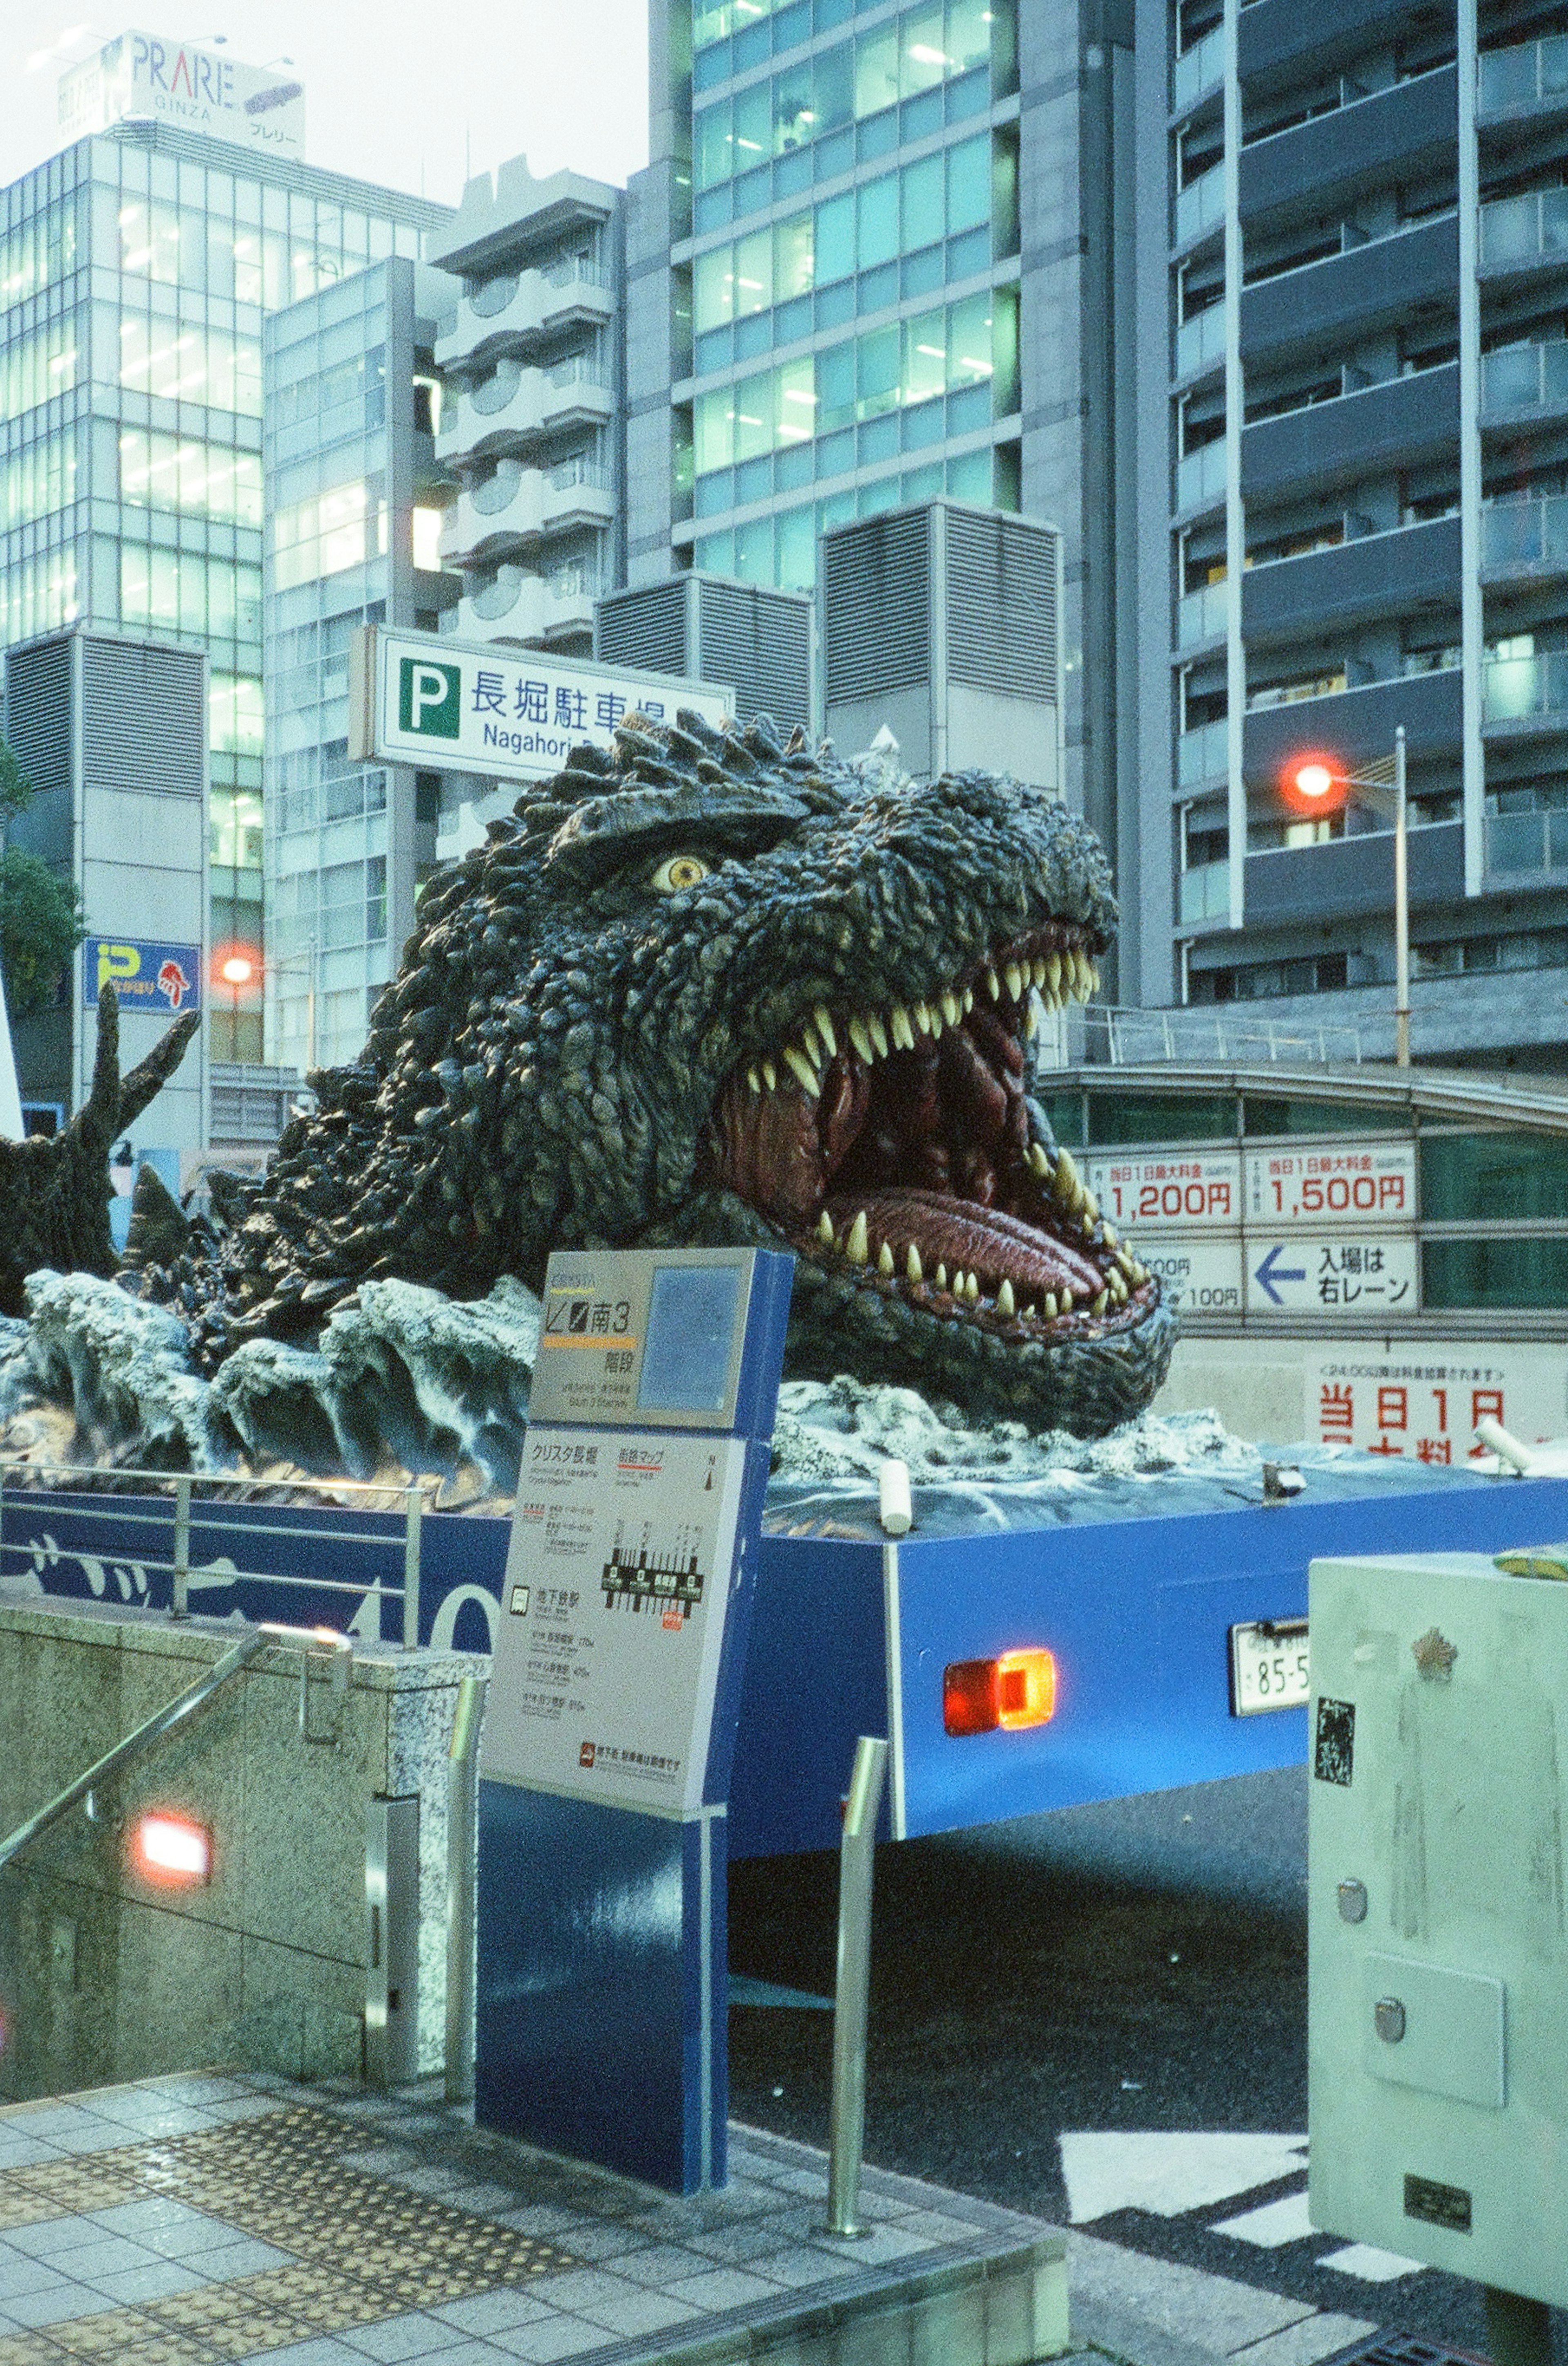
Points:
[(675, 872)]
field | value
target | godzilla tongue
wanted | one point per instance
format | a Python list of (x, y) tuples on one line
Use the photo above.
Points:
[(961, 1234)]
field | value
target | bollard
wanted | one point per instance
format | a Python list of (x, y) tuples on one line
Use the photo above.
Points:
[(846, 2127), (413, 1515), (179, 1606), (462, 1837)]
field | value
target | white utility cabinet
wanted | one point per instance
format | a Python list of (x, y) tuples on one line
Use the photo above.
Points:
[(1438, 1916)]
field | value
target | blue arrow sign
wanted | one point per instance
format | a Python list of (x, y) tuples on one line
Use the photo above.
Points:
[(1271, 1271)]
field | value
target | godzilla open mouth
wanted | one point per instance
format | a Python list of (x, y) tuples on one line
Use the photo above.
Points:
[(896, 1147)]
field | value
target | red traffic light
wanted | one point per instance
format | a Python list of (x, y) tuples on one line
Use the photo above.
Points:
[(1313, 782), (236, 966)]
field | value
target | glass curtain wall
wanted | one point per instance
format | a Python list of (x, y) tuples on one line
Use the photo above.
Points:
[(855, 212), (327, 572), (135, 275)]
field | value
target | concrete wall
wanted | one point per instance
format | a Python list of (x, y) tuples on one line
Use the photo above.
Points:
[(103, 1978)]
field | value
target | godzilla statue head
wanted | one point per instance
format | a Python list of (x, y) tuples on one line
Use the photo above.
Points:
[(712, 989)]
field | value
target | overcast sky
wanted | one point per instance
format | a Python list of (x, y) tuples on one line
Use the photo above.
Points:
[(392, 90)]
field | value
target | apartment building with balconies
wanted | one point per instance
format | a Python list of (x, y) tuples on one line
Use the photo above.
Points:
[(530, 419), (1361, 275)]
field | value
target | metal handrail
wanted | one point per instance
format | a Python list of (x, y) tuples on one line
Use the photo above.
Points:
[(152, 1729), (178, 1570)]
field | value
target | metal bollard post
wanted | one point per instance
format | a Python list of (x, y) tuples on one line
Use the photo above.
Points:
[(179, 1606), (846, 2126), (461, 1855), (414, 1504)]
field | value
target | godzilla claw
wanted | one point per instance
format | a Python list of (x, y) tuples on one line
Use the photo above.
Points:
[(55, 1190)]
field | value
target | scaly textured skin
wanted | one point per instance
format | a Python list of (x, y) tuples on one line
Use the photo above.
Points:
[(637, 1015)]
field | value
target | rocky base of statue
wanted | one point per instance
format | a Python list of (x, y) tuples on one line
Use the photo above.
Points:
[(407, 1383)]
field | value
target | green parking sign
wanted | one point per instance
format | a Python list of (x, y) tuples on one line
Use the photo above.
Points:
[(430, 698)]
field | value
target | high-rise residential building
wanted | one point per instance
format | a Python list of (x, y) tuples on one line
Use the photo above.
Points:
[(530, 421), (1357, 513), (137, 268), (350, 408), (884, 254)]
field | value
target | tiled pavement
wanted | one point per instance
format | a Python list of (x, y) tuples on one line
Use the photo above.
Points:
[(194, 2219)]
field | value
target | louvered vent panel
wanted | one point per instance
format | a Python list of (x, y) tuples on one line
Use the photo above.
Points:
[(762, 642), (876, 607), (1001, 606), (644, 628), (38, 713), (142, 721)]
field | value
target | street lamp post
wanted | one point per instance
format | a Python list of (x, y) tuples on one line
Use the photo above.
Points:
[(1318, 784)]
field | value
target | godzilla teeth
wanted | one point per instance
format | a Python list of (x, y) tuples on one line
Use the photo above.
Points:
[(1005, 1303), (803, 1073), (1039, 1163), (1101, 1301), (971, 1289), (856, 1248), (1035, 984), (1050, 1306), (824, 1229), (885, 1260), (912, 1265), (941, 1276)]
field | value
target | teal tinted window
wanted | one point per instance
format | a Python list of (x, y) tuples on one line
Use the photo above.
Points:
[(968, 184), (1491, 1177), (1494, 1272), (922, 203), (877, 210), (877, 372), (1064, 1114), (835, 386), (1115, 1117), (835, 238), (1265, 1114)]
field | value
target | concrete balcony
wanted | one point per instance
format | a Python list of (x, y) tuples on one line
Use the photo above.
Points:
[(522, 608), (1360, 292), (516, 403), (1349, 877), (1393, 425), (1359, 724), (1526, 696), (520, 505), (1200, 207), (1408, 570), (526, 304), (1404, 133), (1197, 71)]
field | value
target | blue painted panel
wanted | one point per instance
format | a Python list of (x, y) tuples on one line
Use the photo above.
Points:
[(587, 2030), (94, 1547), (1136, 1614), (815, 1680)]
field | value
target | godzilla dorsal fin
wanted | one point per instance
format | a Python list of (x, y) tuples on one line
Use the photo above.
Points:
[(160, 1230)]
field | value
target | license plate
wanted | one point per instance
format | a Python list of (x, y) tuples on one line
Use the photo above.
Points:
[(1268, 1666)]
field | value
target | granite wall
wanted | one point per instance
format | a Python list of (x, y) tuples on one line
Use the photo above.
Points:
[(104, 1977)]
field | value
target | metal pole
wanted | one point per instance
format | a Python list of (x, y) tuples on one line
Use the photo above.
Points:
[(1401, 910), (310, 1014), (846, 2127), (180, 1604), (414, 1504), (462, 1861)]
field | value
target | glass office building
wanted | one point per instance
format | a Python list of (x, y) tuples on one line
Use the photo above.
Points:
[(882, 255), (136, 271), (349, 413)]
